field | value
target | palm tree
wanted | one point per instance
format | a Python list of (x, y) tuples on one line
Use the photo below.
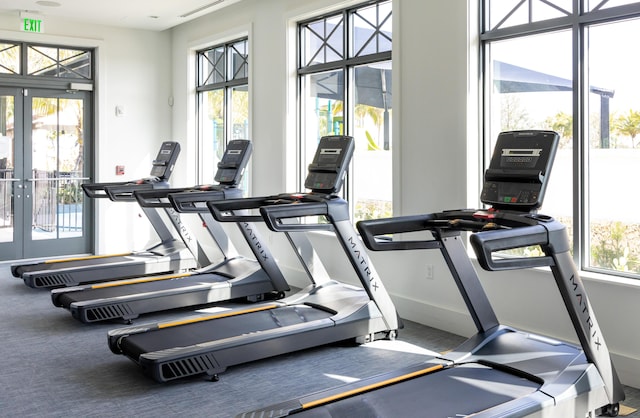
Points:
[(375, 114), (628, 125), (562, 123)]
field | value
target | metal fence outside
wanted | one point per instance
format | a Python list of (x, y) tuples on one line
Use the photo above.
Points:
[(57, 200)]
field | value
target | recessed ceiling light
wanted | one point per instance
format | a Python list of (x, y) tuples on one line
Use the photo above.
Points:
[(47, 3)]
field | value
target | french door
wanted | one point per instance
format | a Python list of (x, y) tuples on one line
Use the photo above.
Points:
[(45, 136)]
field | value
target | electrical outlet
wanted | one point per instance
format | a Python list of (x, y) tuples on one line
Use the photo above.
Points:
[(429, 271)]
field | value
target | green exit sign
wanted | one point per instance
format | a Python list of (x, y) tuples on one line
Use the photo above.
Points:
[(32, 25)]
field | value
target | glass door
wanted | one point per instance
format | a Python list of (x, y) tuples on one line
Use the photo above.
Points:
[(11, 196), (44, 209)]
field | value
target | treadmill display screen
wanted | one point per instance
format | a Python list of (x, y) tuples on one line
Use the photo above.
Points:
[(329, 165), (231, 166), (165, 160), (519, 170)]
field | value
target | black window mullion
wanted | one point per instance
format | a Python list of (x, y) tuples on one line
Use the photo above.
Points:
[(226, 84), (24, 60), (363, 60), (579, 147), (347, 76)]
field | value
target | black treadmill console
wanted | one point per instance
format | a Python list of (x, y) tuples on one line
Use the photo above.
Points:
[(233, 162), (329, 165), (165, 160), (519, 170)]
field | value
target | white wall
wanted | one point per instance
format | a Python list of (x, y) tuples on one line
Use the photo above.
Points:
[(138, 78), (133, 71)]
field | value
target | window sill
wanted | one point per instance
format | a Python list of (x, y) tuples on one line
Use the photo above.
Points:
[(610, 278)]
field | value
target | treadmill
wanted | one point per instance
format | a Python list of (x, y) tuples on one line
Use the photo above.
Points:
[(500, 371), (233, 278), (170, 254), (324, 312)]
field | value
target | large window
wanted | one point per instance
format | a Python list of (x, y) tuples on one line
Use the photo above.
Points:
[(223, 102), (548, 66), (344, 71)]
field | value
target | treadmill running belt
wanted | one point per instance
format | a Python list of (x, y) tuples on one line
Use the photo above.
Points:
[(200, 332), (454, 392), (67, 298), (20, 270)]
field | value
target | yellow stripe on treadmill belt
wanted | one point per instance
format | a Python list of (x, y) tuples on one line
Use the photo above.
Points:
[(372, 386), (139, 280), (89, 257), (216, 316)]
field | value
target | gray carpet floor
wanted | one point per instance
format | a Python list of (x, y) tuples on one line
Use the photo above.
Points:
[(55, 366)]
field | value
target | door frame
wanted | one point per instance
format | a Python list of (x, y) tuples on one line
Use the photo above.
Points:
[(68, 74)]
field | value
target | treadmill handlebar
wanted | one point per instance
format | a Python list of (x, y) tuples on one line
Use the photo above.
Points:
[(97, 190), (486, 243), (493, 231), (224, 211), (161, 198), (124, 192), (102, 190), (275, 215), (277, 207), (185, 201), (155, 198), (370, 230)]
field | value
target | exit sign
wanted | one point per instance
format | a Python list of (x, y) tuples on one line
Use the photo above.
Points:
[(32, 25)]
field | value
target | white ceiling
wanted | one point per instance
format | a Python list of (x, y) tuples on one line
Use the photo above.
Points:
[(139, 14)]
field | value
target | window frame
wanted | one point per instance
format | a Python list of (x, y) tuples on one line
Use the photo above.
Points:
[(350, 59), (227, 85), (23, 79)]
